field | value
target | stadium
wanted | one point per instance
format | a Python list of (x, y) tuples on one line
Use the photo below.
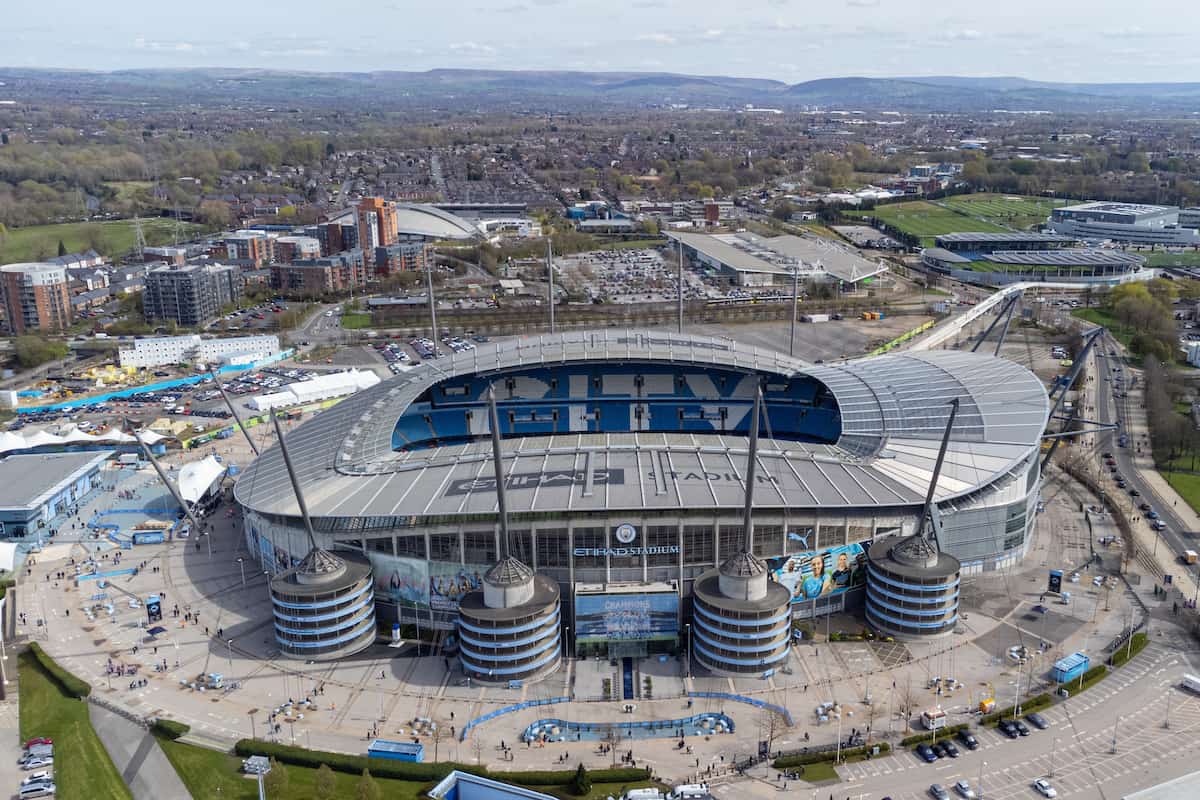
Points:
[(998, 259), (624, 453)]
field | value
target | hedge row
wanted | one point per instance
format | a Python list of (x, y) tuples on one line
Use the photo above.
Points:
[(1118, 657), (1090, 678), (68, 683), (943, 733), (1031, 704), (169, 728), (803, 759), (401, 770)]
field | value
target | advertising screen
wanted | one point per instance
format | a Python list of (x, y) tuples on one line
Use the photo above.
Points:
[(822, 572), (417, 583), (626, 617)]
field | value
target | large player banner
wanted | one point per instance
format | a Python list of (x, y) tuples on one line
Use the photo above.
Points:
[(417, 583), (822, 572)]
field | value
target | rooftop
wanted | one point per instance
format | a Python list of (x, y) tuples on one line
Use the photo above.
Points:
[(432, 223), (1120, 208), (747, 252), (893, 412), (969, 237), (31, 480)]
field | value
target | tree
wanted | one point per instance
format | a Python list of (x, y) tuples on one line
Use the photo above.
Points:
[(276, 780), (215, 214), (325, 784), (62, 248), (367, 789), (783, 211), (477, 749), (34, 350), (581, 784)]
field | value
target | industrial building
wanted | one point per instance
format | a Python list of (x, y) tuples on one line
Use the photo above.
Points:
[(751, 260), (35, 297), (1131, 223), (624, 456)]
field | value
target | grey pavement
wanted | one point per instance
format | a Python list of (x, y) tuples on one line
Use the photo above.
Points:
[(10, 735), (142, 764)]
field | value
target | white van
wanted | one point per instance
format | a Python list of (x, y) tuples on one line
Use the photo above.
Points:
[(1191, 683)]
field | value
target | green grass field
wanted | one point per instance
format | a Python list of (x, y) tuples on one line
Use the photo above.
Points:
[(356, 320), (207, 773), (1188, 259), (82, 767), (1188, 487), (989, 213), (114, 238), (1099, 316), (1012, 211)]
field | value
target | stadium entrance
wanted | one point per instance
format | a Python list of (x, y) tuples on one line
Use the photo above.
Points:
[(626, 620)]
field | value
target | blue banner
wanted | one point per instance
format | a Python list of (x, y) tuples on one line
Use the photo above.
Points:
[(626, 617), (821, 573)]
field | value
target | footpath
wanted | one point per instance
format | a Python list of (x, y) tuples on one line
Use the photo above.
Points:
[(142, 764)]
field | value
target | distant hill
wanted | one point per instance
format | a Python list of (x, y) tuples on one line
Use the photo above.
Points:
[(575, 90)]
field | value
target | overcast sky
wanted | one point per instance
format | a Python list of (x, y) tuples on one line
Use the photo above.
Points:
[(789, 40)]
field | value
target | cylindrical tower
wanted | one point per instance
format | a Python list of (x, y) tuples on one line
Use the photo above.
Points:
[(509, 630), (324, 607), (912, 588), (741, 617)]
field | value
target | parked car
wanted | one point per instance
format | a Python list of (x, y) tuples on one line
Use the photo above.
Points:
[(926, 753), (1037, 721), (938, 792), (964, 790), (1021, 727), (1006, 727), (939, 749), (968, 739), (35, 741), (950, 749), (1043, 787)]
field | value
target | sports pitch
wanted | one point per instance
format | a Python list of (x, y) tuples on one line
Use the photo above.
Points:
[(985, 212)]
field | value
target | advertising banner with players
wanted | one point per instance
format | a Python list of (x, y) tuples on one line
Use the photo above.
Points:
[(821, 573), (417, 583)]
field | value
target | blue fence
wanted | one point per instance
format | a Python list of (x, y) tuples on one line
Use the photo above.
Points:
[(153, 387), (112, 573), (549, 701), (738, 698)]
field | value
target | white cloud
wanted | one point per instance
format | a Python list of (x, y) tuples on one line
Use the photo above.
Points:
[(657, 38), (863, 3), (142, 43), (474, 48), (714, 33), (965, 34)]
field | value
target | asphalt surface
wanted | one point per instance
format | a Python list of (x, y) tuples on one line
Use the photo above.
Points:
[(1113, 409), (142, 764)]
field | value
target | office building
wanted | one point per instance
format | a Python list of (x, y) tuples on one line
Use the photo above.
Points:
[(35, 297), (1132, 223), (190, 295)]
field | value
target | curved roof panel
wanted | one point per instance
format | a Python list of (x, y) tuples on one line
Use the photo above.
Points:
[(432, 223), (893, 408)]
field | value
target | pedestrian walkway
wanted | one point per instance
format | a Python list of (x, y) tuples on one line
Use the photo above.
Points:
[(142, 764)]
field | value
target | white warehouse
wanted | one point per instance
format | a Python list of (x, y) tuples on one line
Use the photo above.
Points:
[(163, 350)]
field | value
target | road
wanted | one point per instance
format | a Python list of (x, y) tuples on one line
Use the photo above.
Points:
[(1076, 750), (1113, 409)]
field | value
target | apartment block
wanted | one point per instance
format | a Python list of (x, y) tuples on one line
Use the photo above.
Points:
[(35, 297), (191, 295)]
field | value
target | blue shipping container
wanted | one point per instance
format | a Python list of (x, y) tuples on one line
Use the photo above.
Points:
[(396, 751), (1070, 668)]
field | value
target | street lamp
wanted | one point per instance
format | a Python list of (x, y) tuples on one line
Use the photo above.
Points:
[(230, 644), (982, 764), (687, 626), (242, 567)]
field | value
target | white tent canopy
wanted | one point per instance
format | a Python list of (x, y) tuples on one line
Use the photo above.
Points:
[(197, 477), (324, 387)]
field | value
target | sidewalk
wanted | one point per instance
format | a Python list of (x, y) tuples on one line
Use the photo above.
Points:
[(142, 764)]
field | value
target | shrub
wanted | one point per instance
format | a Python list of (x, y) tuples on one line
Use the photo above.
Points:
[(68, 683), (1119, 657), (941, 733), (581, 784), (169, 728), (1035, 703), (802, 759), (401, 770)]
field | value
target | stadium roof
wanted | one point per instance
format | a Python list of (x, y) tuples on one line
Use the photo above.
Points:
[(972, 237), (893, 412), (432, 223), (1068, 258), (747, 252)]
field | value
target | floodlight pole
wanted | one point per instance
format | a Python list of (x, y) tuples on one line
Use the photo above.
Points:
[(291, 471), (795, 309), (550, 273), (679, 284), (751, 469), (937, 469), (236, 417), (162, 476), (432, 304), (498, 470)]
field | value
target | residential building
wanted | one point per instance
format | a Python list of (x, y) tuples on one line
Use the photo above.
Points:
[(35, 297), (249, 248), (381, 216), (191, 295), (160, 351), (290, 249), (400, 257), (171, 255), (317, 277)]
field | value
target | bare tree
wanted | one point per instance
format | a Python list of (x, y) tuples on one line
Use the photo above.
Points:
[(613, 739), (770, 725), (477, 749), (439, 733)]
